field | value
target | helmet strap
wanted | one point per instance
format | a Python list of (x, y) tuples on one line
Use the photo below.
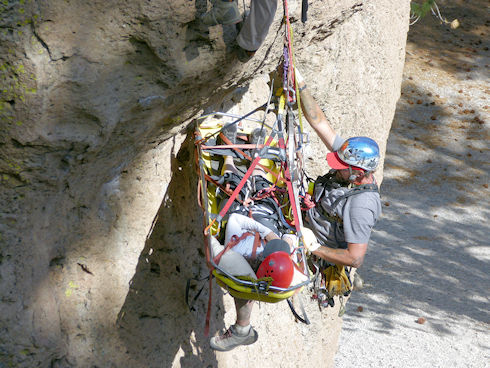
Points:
[(352, 177)]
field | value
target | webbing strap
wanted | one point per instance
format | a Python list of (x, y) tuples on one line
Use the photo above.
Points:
[(356, 190), (328, 216), (256, 245), (233, 241), (257, 240)]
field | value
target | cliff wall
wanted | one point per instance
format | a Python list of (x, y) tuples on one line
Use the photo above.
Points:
[(99, 226)]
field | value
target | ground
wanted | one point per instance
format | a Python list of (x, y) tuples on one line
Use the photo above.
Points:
[(426, 299)]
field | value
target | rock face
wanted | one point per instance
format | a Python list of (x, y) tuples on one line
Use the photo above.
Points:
[(99, 225)]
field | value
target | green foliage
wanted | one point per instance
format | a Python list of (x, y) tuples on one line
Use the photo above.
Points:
[(421, 10)]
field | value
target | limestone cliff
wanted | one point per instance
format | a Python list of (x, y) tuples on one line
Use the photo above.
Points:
[(99, 226)]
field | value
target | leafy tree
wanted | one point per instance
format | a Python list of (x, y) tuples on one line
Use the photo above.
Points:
[(421, 10)]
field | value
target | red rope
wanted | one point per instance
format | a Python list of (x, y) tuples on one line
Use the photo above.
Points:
[(308, 202), (288, 38)]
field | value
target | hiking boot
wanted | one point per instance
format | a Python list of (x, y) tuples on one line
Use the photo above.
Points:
[(230, 131), (237, 52), (222, 12), (243, 55), (257, 136), (230, 339)]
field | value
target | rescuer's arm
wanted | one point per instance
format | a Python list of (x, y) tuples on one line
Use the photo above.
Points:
[(314, 114)]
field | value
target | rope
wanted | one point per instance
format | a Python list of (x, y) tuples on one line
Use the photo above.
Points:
[(205, 139), (292, 62), (288, 33), (308, 202)]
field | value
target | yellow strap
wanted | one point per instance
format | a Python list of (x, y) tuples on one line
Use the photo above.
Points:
[(282, 104), (298, 98)]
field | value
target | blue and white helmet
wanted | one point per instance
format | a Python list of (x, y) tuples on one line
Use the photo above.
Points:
[(362, 152)]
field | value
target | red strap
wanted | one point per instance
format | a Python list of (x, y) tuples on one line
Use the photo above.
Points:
[(208, 313), (256, 245), (233, 241), (199, 200), (257, 241)]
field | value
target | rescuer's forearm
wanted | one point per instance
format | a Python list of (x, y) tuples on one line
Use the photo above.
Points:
[(353, 256)]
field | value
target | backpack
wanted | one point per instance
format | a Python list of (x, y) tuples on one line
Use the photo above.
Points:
[(325, 218)]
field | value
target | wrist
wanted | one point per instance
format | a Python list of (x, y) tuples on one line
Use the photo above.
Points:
[(271, 236)]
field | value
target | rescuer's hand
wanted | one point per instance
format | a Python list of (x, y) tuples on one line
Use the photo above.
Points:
[(310, 242), (299, 77)]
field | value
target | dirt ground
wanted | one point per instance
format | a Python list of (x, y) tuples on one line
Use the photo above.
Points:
[(426, 298)]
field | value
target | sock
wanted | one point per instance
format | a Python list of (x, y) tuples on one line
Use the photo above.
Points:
[(242, 330)]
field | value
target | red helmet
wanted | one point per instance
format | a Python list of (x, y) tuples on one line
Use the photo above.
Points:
[(279, 266)]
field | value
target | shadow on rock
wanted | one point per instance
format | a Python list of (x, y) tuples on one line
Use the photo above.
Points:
[(155, 323)]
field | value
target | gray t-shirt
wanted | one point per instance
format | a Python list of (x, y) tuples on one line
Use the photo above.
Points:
[(359, 214)]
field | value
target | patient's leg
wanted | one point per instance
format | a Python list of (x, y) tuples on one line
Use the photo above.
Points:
[(243, 311)]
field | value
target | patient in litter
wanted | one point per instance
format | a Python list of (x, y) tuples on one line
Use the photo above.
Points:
[(259, 244)]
